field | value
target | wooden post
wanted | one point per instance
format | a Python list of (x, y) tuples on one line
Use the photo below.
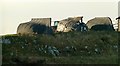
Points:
[(118, 24), (81, 19)]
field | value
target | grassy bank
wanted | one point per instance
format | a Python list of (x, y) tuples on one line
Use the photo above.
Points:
[(70, 48)]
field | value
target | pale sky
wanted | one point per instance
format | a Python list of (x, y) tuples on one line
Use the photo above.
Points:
[(14, 12)]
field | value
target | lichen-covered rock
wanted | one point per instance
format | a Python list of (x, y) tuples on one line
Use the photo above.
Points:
[(35, 26), (100, 23), (70, 24)]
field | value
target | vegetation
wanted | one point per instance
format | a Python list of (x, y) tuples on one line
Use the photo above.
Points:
[(99, 47)]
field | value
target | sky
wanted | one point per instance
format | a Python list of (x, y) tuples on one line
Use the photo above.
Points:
[(14, 12)]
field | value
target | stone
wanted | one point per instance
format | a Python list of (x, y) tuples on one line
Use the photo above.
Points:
[(86, 47), (22, 47), (50, 50), (96, 49), (100, 24), (55, 50), (6, 41), (11, 53), (70, 24), (115, 46), (35, 26), (74, 48), (67, 49), (42, 21), (46, 46), (39, 49)]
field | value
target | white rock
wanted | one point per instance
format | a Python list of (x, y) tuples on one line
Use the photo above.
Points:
[(54, 48), (96, 49), (52, 52), (39, 49), (45, 51), (46, 46), (11, 53), (67, 47), (115, 46), (86, 47), (22, 47), (49, 47)]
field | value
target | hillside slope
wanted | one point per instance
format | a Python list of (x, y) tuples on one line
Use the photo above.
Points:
[(61, 48)]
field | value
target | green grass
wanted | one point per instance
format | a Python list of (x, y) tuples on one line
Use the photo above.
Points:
[(105, 42)]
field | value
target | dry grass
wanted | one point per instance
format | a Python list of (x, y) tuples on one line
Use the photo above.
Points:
[(91, 48)]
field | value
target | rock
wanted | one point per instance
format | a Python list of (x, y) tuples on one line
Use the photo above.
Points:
[(35, 26), (100, 23), (22, 47), (115, 46), (11, 53), (86, 47), (51, 51), (6, 41), (39, 49), (74, 48), (55, 50), (71, 24), (46, 46), (96, 50), (45, 51), (35, 41), (67, 49)]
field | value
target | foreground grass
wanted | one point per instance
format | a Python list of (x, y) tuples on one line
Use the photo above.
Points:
[(64, 60), (91, 48)]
